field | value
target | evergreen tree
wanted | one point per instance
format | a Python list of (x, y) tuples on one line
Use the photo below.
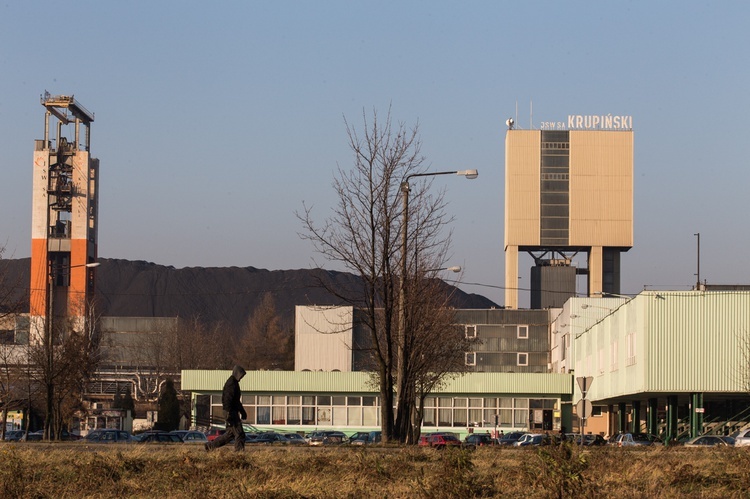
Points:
[(128, 403), (169, 408)]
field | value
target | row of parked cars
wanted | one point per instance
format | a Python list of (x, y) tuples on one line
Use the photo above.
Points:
[(314, 438), (738, 439), (438, 440)]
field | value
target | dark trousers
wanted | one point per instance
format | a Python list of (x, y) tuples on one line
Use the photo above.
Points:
[(234, 431)]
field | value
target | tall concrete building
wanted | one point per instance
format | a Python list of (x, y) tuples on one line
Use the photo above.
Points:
[(64, 214), (568, 190)]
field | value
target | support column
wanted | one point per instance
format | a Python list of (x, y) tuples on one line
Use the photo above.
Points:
[(596, 270), (671, 419), (636, 426), (511, 277), (622, 417), (652, 417), (696, 414), (566, 415)]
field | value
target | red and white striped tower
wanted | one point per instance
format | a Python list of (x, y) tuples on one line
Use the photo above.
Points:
[(64, 216)]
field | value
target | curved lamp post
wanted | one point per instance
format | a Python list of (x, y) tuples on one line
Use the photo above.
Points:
[(469, 174), (50, 342)]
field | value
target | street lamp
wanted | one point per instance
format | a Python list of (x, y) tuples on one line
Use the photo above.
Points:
[(49, 341), (469, 174), (455, 269)]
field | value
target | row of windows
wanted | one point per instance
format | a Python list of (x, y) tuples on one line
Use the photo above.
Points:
[(320, 410), (522, 331), (522, 358), (555, 176), (332, 410), (555, 145), (630, 359)]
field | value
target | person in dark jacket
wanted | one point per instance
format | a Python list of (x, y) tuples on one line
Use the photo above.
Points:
[(231, 401)]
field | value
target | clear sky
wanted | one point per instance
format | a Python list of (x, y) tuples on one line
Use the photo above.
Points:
[(216, 120)]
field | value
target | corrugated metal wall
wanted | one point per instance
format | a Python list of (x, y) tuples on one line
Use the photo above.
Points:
[(601, 188), (323, 338), (694, 341), (522, 187), (668, 342)]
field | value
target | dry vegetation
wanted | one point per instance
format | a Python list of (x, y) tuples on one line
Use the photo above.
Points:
[(80, 470)]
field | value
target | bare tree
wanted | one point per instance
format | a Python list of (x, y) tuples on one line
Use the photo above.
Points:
[(363, 235), (11, 346), (62, 364), (194, 344)]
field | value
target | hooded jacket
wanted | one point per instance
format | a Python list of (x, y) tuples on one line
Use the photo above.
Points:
[(231, 396)]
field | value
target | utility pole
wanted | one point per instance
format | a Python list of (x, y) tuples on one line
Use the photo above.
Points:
[(698, 275)]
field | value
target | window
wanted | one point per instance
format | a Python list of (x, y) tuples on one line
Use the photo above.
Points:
[(631, 349), (522, 359), (471, 331), (613, 356), (7, 337), (596, 411), (471, 358), (522, 332)]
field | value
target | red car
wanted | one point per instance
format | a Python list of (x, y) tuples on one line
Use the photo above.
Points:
[(213, 433), (443, 440)]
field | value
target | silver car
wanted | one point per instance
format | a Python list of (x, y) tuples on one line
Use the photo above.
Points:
[(191, 436), (742, 438)]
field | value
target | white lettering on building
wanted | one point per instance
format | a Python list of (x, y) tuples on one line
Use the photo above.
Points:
[(590, 122)]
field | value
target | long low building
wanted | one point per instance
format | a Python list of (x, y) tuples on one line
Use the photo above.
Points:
[(348, 401)]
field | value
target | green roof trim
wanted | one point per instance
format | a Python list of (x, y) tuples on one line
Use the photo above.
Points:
[(361, 382)]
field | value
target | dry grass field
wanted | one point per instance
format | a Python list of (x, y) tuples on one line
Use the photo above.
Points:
[(39, 470)]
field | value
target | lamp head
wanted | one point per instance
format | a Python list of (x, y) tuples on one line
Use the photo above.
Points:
[(470, 174)]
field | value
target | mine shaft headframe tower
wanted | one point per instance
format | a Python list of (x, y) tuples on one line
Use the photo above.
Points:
[(566, 192), (64, 212)]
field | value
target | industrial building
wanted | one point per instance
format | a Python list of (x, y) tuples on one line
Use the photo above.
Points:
[(669, 363), (567, 192), (507, 341)]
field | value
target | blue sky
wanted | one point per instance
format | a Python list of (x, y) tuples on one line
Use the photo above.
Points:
[(214, 123)]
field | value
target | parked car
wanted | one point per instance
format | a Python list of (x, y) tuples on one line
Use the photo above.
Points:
[(14, 435), (294, 439), (213, 433), (328, 438), (256, 438), (108, 436), (366, 437), (741, 438), (479, 440), (191, 436), (424, 438), (510, 438), (35, 436), (163, 437), (528, 439), (634, 439), (729, 440), (593, 440), (443, 440), (706, 441), (272, 437)]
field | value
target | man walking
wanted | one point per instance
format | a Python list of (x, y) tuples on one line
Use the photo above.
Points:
[(231, 401)]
